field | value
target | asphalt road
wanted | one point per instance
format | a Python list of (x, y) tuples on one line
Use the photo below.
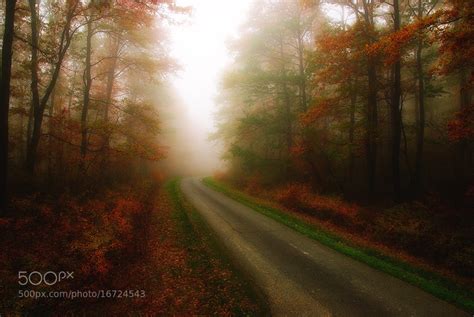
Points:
[(301, 277)]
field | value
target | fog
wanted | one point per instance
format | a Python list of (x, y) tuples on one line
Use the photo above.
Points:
[(198, 44), (189, 150)]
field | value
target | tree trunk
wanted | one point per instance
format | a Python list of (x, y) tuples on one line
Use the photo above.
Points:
[(371, 128), (50, 138), (108, 101), (86, 96), (353, 96), (289, 135), (286, 103), (395, 114), (420, 115), (37, 115), (71, 95), (29, 129), (7, 51), (302, 74), (371, 138)]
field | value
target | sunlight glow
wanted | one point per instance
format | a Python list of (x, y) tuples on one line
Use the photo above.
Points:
[(200, 49)]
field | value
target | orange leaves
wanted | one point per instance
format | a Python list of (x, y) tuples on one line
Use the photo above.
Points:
[(318, 111), (391, 45), (340, 52), (336, 43)]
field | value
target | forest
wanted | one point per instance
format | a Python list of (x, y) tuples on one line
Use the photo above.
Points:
[(354, 116), (373, 104)]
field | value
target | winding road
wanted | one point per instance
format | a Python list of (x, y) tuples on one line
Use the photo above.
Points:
[(299, 276)]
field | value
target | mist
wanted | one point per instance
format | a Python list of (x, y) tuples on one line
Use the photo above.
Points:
[(190, 152)]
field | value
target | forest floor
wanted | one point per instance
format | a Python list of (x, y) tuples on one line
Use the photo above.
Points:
[(411, 241), (143, 245)]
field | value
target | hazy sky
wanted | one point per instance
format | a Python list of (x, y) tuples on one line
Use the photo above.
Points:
[(200, 48)]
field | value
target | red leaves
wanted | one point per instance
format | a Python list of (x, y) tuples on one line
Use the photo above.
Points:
[(301, 196), (192, 281), (121, 214), (462, 126), (456, 40), (68, 233), (452, 27), (318, 111)]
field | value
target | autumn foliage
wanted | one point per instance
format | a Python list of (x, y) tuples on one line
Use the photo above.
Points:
[(90, 237), (136, 237), (361, 105)]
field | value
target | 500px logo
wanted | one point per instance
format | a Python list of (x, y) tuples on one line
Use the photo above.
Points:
[(49, 278)]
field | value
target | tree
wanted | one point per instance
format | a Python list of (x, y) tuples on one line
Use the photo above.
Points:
[(420, 111), (395, 112), (7, 44), (39, 103), (87, 88)]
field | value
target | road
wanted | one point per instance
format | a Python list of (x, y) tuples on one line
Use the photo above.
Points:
[(301, 277)]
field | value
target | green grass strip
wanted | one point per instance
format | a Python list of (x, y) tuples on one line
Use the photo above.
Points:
[(425, 280)]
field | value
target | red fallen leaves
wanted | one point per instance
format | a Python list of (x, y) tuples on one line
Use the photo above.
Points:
[(119, 217), (98, 239), (67, 234), (297, 195), (177, 279)]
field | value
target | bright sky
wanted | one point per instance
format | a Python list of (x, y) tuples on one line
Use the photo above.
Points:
[(200, 48)]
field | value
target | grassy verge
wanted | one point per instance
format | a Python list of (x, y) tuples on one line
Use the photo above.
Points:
[(427, 281), (206, 253)]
